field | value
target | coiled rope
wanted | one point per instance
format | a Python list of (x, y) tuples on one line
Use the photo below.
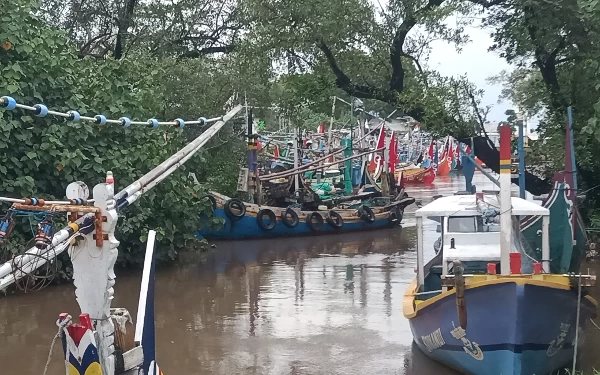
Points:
[(40, 110)]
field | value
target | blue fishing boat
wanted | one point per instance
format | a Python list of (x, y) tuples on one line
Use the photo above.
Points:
[(482, 305), (247, 220)]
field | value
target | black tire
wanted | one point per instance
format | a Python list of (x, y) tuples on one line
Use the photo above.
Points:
[(334, 219), (260, 219), (367, 214), (235, 209), (290, 218), (393, 218), (317, 225)]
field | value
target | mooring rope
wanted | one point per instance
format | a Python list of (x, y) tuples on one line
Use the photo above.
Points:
[(40, 110), (60, 325)]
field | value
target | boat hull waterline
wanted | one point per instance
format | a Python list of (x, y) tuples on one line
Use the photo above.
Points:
[(247, 227)]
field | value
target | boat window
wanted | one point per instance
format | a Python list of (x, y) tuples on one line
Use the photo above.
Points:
[(461, 224)]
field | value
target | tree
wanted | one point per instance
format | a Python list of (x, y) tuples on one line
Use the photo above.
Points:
[(42, 155), (188, 28)]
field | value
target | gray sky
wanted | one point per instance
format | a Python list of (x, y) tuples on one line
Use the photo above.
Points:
[(477, 63)]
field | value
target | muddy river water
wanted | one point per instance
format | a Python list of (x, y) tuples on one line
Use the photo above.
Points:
[(319, 305)]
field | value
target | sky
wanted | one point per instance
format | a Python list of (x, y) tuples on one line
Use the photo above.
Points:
[(478, 63)]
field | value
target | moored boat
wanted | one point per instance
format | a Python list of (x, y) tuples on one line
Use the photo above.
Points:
[(465, 314), (248, 220)]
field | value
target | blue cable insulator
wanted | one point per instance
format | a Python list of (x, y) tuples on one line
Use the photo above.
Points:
[(73, 116), (153, 123), (8, 102), (179, 123), (202, 121), (34, 201), (40, 110), (125, 122), (100, 119)]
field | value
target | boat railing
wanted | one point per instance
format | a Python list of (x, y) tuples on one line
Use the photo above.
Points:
[(586, 279)]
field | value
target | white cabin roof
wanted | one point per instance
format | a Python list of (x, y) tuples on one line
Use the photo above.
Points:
[(466, 205)]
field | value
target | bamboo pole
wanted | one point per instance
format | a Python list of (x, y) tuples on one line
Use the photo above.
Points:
[(292, 173), (276, 175), (191, 147)]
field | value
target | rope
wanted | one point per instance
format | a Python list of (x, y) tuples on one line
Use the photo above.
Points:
[(40, 110), (61, 326)]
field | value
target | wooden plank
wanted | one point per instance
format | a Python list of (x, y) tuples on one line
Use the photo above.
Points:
[(133, 358)]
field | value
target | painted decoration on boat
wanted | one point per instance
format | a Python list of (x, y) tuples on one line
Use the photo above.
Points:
[(80, 348)]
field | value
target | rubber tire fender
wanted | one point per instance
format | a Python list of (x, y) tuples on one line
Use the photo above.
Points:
[(237, 205), (260, 219), (334, 219), (315, 227), (285, 218), (367, 214)]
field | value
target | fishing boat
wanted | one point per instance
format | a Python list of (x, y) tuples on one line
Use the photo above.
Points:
[(248, 220), (482, 305), (416, 175)]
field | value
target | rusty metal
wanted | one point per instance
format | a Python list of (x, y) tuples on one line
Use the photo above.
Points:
[(57, 208), (99, 236), (459, 285)]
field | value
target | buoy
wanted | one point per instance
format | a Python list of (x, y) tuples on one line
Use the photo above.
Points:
[(100, 119), (125, 122), (40, 110), (8, 102), (73, 115)]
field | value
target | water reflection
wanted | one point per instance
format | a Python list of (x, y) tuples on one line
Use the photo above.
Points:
[(319, 305)]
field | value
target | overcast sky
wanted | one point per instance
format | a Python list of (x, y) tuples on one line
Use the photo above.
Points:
[(477, 63)]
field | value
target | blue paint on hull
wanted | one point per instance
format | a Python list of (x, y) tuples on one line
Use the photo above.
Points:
[(513, 325), (247, 227)]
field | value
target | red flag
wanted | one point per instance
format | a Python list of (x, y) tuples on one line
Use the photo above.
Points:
[(376, 159), (321, 128), (431, 151), (276, 151), (393, 160)]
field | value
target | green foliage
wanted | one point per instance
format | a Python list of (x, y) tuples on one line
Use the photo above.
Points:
[(42, 155)]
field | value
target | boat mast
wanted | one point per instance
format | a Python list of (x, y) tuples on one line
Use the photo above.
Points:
[(505, 200)]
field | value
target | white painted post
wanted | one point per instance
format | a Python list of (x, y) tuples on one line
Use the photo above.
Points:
[(546, 244), (420, 258), (94, 276), (505, 200), (139, 322)]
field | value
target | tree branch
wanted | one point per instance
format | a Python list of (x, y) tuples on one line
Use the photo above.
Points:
[(488, 3), (207, 51), (344, 82), (396, 49)]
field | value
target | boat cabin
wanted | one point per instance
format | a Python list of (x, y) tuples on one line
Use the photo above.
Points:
[(469, 227)]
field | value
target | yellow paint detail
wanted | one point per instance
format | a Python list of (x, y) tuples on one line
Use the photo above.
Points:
[(505, 162), (504, 170), (411, 306), (93, 369)]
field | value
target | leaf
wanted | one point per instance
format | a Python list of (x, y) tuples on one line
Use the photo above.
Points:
[(12, 88), (31, 155)]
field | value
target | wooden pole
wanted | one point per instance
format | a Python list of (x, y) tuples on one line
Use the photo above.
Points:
[(276, 175), (291, 172)]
